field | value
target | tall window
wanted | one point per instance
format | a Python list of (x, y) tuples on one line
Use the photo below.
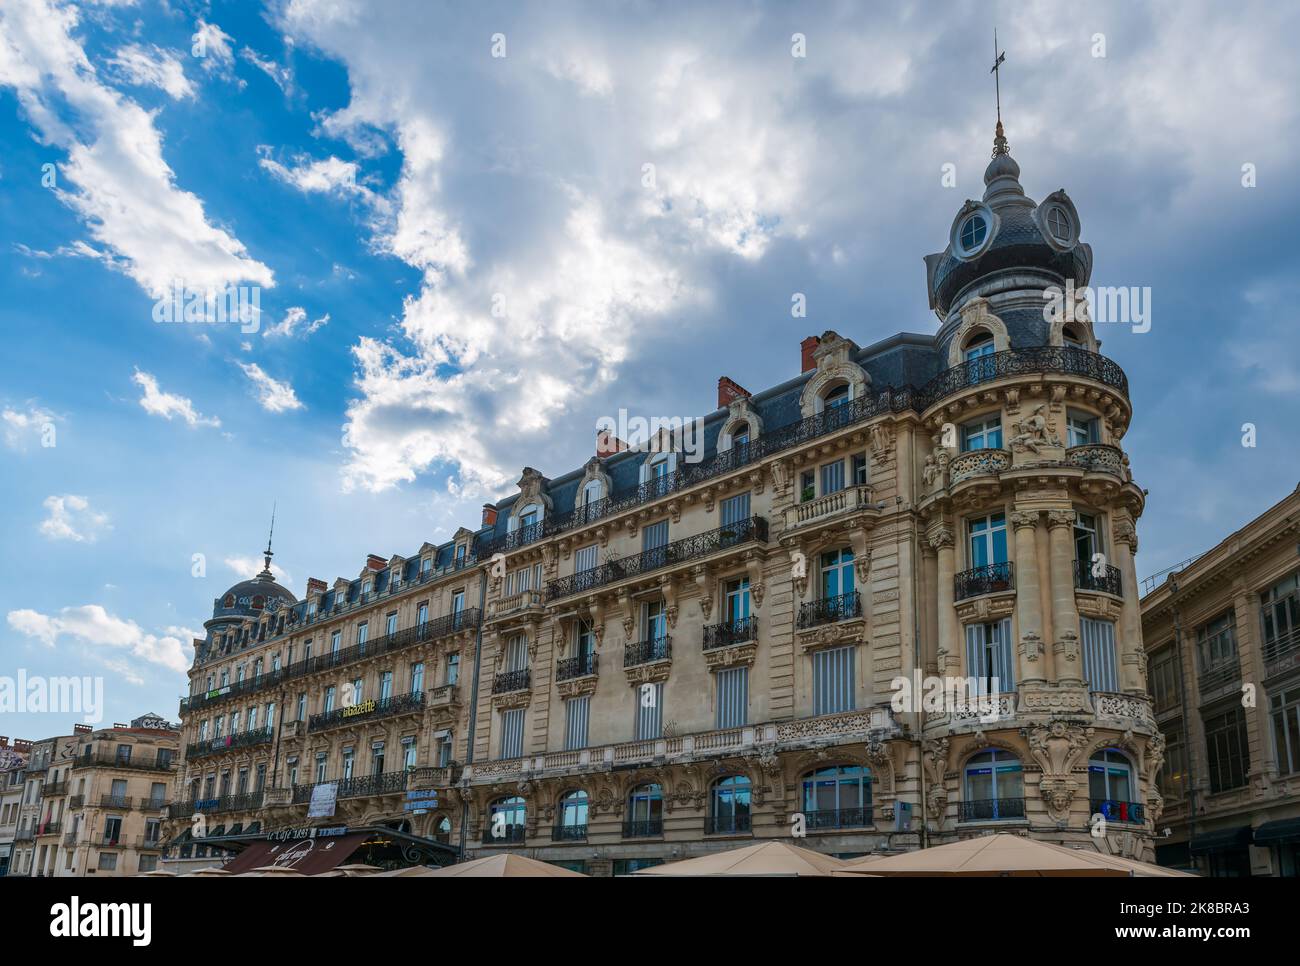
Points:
[(979, 359), (1284, 711), (654, 540), (649, 711), (837, 797), (512, 733), (577, 715), (408, 753), (1216, 642), (994, 787), (336, 640), (320, 766), (833, 680), (1080, 429), (735, 509), (1100, 670), (390, 626), (988, 540), (982, 434), (328, 704), (837, 396), (837, 573), (729, 805), (645, 811), (349, 763), (385, 685), (1087, 538), (1110, 785), (733, 697), (1280, 605), (832, 477), (585, 559), (990, 658), (1227, 748), (654, 616), (1164, 679), (377, 758), (573, 815), (417, 677), (738, 600), (1173, 771), (512, 814), (584, 638), (517, 653), (453, 668)]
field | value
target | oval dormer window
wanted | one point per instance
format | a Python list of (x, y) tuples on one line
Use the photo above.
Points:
[(229, 601), (259, 602), (973, 232), (1058, 223)]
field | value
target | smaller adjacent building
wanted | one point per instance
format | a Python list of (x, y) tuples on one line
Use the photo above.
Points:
[(13, 765), (1222, 638)]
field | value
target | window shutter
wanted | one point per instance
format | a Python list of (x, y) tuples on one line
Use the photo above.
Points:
[(833, 680), (976, 656), (512, 733), (733, 697), (1006, 670), (577, 714), (649, 720), (1098, 638)]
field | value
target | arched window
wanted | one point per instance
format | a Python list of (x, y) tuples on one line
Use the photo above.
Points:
[(442, 830), (571, 822), (740, 440), (729, 806), (837, 797), (1071, 338), (994, 788), (978, 353), (592, 491), (645, 812), (506, 817), (837, 395), (1111, 789)]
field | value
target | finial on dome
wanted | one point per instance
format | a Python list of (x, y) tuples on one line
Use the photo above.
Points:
[(266, 570), (1000, 145)]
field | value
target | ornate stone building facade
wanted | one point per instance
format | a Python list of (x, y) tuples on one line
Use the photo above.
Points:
[(678, 654), (1223, 648)]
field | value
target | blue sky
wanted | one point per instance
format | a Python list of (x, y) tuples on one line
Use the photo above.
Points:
[(462, 265)]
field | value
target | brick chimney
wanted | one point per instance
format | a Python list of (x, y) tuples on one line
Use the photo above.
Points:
[(316, 586), (375, 562), (489, 515), (807, 347), (729, 391), (82, 729), (607, 444)]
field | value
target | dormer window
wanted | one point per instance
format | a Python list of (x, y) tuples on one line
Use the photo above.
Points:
[(1070, 337), (973, 232), (740, 435), (979, 357), (837, 395), (593, 491), (365, 587), (1059, 225)]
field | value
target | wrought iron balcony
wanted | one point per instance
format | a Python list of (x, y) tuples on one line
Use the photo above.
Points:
[(148, 843), (643, 829), (111, 842), (1107, 583), (507, 681), (115, 801), (1226, 674), (730, 632), (643, 652), (162, 761), (47, 828), (990, 579), (357, 787), (510, 835), (76, 801), (576, 667), (828, 610), (25, 835), (211, 806), (1029, 360), (727, 824), (990, 809), (569, 833), (215, 746), (753, 529), (371, 710), (50, 789), (837, 818), (1116, 811)]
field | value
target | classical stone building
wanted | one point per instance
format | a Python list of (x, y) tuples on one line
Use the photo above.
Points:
[(93, 801), (680, 654), (1223, 648)]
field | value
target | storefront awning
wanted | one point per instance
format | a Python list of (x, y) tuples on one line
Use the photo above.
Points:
[(310, 856), (1221, 840), (1278, 832)]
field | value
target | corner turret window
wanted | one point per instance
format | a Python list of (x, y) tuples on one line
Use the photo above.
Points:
[(1058, 223), (973, 232), (978, 353)]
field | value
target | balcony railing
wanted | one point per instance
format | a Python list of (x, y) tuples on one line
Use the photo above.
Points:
[(678, 552), (508, 681), (643, 652), (148, 843), (730, 632), (1107, 583), (643, 829), (111, 842), (990, 809), (76, 801), (510, 835), (978, 462), (1066, 360), (115, 801), (727, 824), (25, 835), (108, 759), (358, 787), (50, 789), (576, 667), (1219, 676), (838, 818), (1279, 648), (1116, 811), (225, 803), (569, 833), (991, 579), (368, 711), (215, 746), (851, 499), (47, 828), (428, 631), (828, 610), (1097, 458)]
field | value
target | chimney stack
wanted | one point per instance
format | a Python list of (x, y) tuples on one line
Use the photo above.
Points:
[(489, 515), (729, 391), (375, 562), (807, 347), (607, 444)]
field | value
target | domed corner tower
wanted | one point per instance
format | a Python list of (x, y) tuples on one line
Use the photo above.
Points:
[(243, 606), (1029, 509)]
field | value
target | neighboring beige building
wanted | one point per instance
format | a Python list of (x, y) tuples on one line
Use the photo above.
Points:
[(93, 801), (13, 764), (683, 649), (1223, 648)]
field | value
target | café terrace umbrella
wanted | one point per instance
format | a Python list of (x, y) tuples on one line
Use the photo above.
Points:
[(410, 872), (355, 870), (157, 872), (1002, 855), (276, 871), (211, 870), (767, 859), (502, 867)]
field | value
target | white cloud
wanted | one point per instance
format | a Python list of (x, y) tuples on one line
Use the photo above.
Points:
[(295, 321), (91, 625), (153, 67), (28, 425), (214, 48), (328, 176), (71, 518), (273, 395), (281, 74), (245, 568), (119, 183), (156, 402)]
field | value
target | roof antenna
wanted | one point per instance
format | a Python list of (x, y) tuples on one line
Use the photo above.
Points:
[(1000, 145), (266, 571)]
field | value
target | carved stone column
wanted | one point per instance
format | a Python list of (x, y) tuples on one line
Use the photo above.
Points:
[(1029, 610), (949, 658), (1065, 613), (1132, 658), (929, 616)]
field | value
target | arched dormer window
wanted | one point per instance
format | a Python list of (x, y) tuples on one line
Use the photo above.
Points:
[(978, 354), (592, 491), (993, 788), (837, 395), (657, 473)]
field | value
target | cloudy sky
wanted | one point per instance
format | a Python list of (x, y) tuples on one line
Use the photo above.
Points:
[(476, 228)]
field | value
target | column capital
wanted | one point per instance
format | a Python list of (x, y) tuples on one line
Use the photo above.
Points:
[(940, 538), (1024, 518), (1060, 518), (1126, 533)]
